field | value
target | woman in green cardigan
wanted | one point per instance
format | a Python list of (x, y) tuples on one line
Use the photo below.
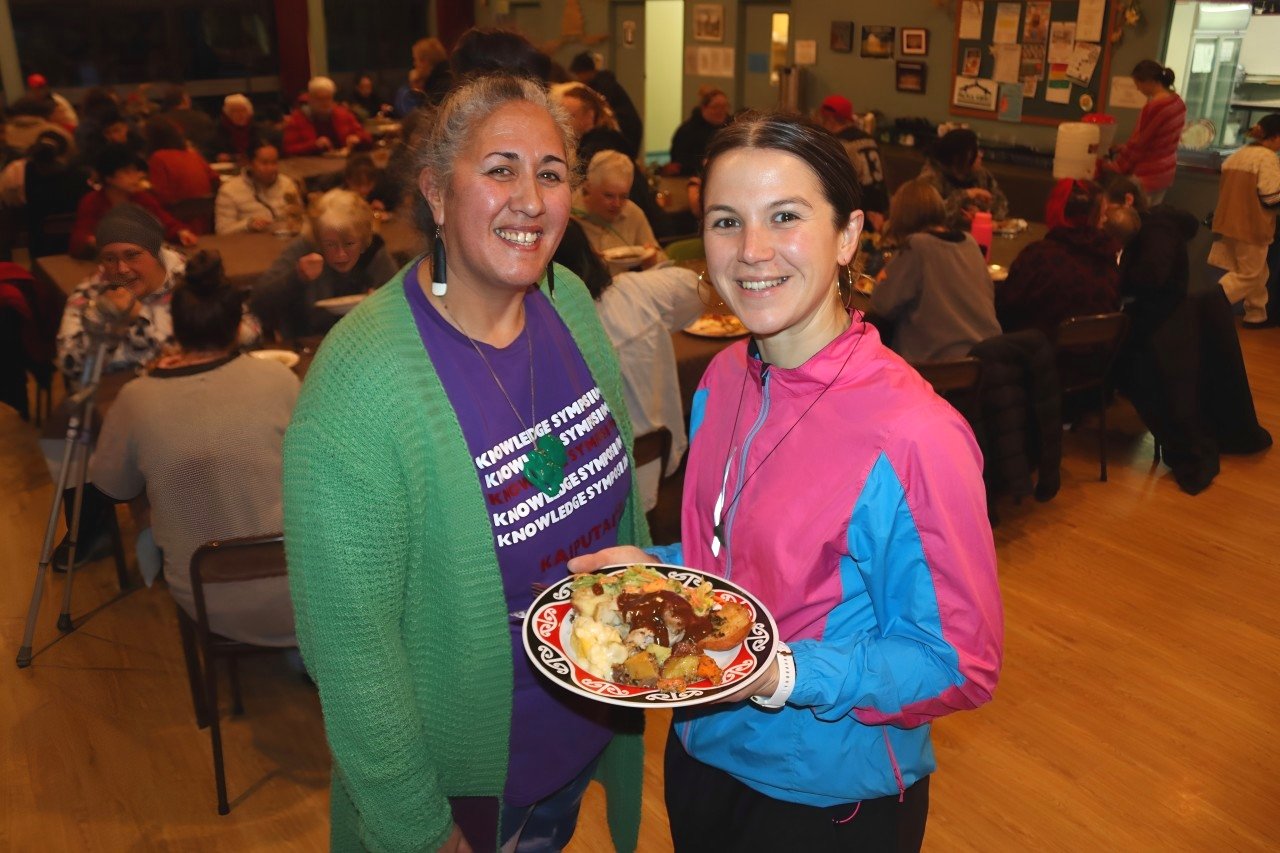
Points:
[(459, 437)]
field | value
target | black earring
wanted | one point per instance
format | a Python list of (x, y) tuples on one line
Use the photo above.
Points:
[(551, 280), (439, 282)]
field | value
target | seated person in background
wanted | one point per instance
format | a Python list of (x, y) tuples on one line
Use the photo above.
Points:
[(121, 175), (593, 121), (372, 184), (201, 435), (602, 80), (61, 111), (689, 142), (954, 167), (177, 171), (428, 79), (836, 115), (639, 311), (54, 186), (196, 125), (106, 127), (609, 218), (1071, 272), (236, 132), (365, 101), (259, 197), (321, 125), (936, 292), (337, 255), (135, 276)]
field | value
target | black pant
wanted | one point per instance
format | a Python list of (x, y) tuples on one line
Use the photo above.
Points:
[(710, 811)]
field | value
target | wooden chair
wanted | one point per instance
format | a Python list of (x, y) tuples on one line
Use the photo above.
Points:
[(951, 377), (1085, 349), (217, 562)]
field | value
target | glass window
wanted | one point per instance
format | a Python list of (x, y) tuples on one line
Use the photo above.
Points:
[(143, 40), (364, 36)]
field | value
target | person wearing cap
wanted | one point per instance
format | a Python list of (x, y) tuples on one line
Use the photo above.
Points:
[(1245, 221), (605, 82), (121, 174), (609, 217), (236, 132), (836, 115), (63, 113), (321, 124)]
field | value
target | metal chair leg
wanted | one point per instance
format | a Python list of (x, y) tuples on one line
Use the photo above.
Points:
[(215, 730), (191, 654)]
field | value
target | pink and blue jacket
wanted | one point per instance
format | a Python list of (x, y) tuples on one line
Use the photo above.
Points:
[(859, 519)]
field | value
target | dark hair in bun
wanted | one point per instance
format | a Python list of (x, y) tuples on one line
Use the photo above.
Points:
[(206, 309), (1150, 71)]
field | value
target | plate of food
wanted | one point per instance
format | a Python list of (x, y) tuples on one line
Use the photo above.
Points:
[(1010, 227), (713, 325), (341, 304), (998, 273), (649, 635), (286, 357)]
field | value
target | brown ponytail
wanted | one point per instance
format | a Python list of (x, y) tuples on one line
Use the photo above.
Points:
[(1150, 71)]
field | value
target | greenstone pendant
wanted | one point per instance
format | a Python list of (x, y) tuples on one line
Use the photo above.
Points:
[(544, 466)]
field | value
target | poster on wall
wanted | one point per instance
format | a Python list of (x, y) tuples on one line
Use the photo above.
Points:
[(1062, 38), (1084, 58), (714, 62), (1009, 106), (877, 42), (1058, 89), (1124, 93), (975, 93), (971, 12), (1008, 16), (1035, 26), (1008, 63), (1089, 20), (806, 52), (708, 22)]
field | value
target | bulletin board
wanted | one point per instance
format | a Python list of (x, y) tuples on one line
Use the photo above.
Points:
[(1033, 61)]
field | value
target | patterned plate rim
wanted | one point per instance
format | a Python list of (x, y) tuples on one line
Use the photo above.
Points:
[(561, 669)]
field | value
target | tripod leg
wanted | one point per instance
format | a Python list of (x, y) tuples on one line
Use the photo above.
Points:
[(46, 551), (64, 617)]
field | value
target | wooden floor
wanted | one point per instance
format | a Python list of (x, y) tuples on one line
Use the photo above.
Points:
[(1137, 710)]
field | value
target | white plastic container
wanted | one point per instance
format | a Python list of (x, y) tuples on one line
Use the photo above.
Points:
[(1076, 153)]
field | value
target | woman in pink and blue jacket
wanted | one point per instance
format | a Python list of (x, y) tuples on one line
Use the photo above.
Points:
[(825, 476)]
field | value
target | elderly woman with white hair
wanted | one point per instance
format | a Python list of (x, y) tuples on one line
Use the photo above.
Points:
[(321, 124), (610, 218), (236, 131), (337, 255)]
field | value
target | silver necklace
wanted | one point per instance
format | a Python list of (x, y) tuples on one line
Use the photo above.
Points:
[(543, 465)]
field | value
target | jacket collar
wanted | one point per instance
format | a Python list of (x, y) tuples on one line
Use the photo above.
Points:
[(839, 360)]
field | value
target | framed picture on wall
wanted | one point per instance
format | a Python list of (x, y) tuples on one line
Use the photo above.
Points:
[(708, 22), (915, 41), (972, 61), (842, 36), (910, 77), (877, 42)]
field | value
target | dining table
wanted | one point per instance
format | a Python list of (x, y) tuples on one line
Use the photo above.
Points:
[(245, 257)]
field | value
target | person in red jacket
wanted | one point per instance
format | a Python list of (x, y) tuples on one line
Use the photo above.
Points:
[(121, 177), (178, 172), (321, 125)]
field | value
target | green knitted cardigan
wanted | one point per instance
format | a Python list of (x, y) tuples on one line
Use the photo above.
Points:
[(400, 609)]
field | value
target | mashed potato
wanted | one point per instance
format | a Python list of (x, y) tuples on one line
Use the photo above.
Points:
[(598, 647)]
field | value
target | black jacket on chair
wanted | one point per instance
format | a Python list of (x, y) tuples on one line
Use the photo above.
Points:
[(1021, 415)]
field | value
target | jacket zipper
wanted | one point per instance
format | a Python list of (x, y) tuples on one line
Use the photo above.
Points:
[(893, 762), (742, 470)]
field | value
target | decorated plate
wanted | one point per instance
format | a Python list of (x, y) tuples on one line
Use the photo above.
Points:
[(711, 325), (284, 356), (548, 627), (627, 254)]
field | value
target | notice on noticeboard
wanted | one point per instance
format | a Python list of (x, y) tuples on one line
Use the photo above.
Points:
[(1058, 89), (975, 93), (1084, 58), (1062, 38), (1009, 107), (1089, 20), (1008, 63), (971, 12), (1008, 16)]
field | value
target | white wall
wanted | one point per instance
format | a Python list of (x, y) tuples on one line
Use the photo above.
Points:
[(664, 72)]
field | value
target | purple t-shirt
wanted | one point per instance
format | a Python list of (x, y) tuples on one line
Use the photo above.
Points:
[(553, 733)]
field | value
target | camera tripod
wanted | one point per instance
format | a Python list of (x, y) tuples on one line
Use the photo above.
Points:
[(75, 457)]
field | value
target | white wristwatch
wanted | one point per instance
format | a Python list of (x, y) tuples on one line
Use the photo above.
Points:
[(786, 680)]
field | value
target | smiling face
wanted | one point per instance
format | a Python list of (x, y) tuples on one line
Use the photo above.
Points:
[(131, 266), (773, 250), (506, 204)]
